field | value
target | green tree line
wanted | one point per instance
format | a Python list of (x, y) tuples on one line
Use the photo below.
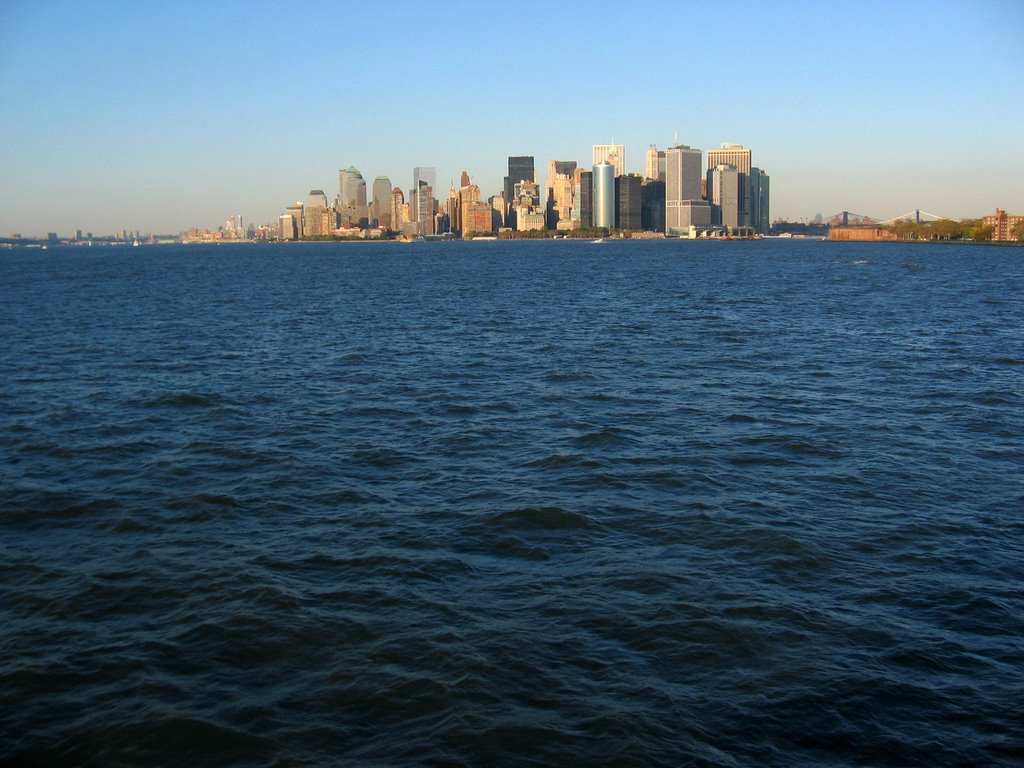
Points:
[(948, 229)]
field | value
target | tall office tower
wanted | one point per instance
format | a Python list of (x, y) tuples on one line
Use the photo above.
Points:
[(381, 206), (423, 202), (682, 185), (654, 164), (295, 211), (454, 209), (464, 181), (652, 206), (285, 227), (520, 168), (425, 174), (397, 204), (739, 157), (312, 212), (352, 187), (627, 201), (757, 200), (561, 200), (725, 196), (604, 195), (499, 206), (556, 168), (735, 155), (585, 198), (611, 153), (468, 196)]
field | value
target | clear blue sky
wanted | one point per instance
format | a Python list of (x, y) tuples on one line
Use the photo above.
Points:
[(161, 116)]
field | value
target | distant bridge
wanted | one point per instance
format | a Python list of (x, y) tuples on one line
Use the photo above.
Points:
[(846, 218)]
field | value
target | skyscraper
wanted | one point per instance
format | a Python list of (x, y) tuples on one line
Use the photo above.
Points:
[(520, 168), (352, 187), (397, 205), (735, 155), (758, 200), (652, 202), (654, 165), (628, 201), (557, 199), (739, 157), (424, 173), (604, 195), (615, 154), (380, 210), (312, 213), (682, 188), (725, 196), (585, 198), (421, 201)]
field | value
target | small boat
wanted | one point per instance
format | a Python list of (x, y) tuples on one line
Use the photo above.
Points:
[(136, 243), (599, 240)]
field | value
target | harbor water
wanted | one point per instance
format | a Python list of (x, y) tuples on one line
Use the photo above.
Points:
[(640, 503)]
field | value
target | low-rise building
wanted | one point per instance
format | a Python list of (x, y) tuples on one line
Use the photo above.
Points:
[(1002, 225)]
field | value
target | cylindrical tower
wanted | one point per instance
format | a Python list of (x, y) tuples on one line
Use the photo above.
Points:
[(604, 195)]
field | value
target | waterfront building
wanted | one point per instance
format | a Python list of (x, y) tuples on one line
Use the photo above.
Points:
[(295, 211), (628, 205), (529, 218), (421, 203), (682, 184), (725, 196), (351, 187), (477, 217), (739, 157), (397, 206), (655, 164), (286, 227), (758, 200), (560, 191), (316, 204), (520, 168), (499, 207), (584, 198), (604, 195), (652, 205), (614, 154), (426, 174), (380, 207), (735, 155), (1002, 225), (557, 168), (454, 210)]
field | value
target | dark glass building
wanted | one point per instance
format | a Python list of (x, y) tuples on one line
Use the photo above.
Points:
[(519, 169), (628, 203), (652, 206), (585, 202)]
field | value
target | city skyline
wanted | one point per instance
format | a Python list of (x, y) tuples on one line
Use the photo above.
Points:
[(160, 118)]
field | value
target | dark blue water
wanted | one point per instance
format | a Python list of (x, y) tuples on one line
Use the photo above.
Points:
[(527, 504)]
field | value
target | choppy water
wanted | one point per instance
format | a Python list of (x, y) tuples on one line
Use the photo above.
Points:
[(528, 504)]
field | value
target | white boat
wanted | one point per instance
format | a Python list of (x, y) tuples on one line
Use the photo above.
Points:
[(599, 240)]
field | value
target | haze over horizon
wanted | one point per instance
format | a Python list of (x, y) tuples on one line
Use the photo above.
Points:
[(160, 117)]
